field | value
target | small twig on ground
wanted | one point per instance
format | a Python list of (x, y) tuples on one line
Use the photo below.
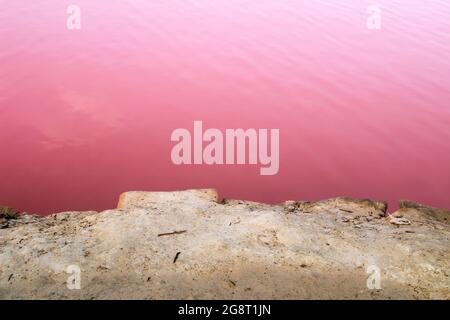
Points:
[(345, 210), (171, 233), (238, 220), (176, 257)]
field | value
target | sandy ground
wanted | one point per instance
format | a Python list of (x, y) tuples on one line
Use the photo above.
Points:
[(186, 245)]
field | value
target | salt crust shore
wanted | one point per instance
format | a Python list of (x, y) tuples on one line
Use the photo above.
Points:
[(187, 245)]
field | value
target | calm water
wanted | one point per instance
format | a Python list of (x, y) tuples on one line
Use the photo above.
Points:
[(88, 114)]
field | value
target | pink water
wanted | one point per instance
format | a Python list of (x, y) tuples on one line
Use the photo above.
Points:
[(88, 114)]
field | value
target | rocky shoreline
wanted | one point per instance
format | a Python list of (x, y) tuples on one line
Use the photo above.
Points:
[(187, 245)]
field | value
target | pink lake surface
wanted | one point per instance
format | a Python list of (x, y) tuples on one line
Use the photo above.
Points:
[(88, 114)]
